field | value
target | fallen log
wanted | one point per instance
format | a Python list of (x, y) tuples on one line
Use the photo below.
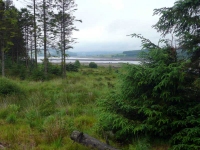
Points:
[(1, 146), (89, 141)]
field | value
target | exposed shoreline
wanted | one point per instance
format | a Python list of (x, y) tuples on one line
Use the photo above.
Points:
[(104, 64), (98, 59), (114, 62)]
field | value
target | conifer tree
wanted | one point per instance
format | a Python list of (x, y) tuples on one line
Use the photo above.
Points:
[(7, 29), (26, 22), (160, 98), (182, 19), (64, 23), (45, 17), (33, 8)]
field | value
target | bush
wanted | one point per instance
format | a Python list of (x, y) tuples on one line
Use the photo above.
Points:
[(18, 70), (92, 65), (71, 67), (8, 87), (77, 64), (54, 69), (37, 74)]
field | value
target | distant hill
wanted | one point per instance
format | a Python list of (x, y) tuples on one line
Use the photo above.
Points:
[(54, 53), (96, 53), (133, 53)]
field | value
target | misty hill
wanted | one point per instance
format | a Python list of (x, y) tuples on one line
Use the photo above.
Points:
[(55, 53), (133, 53), (96, 53)]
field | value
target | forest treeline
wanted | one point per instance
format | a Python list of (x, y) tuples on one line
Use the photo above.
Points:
[(37, 27)]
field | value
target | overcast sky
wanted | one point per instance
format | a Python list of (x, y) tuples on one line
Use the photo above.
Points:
[(106, 23)]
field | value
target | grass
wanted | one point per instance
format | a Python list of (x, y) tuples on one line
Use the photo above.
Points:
[(48, 112), (44, 117)]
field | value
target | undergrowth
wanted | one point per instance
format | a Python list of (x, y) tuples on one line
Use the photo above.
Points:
[(48, 112)]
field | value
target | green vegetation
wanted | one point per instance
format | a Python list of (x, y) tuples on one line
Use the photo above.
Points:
[(160, 99), (9, 87), (153, 99), (23, 31), (45, 116), (133, 53), (154, 105), (77, 63), (71, 67), (92, 65)]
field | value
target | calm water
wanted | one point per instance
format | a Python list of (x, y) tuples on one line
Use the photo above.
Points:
[(88, 60)]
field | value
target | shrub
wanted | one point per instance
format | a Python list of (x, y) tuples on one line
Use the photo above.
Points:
[(92, 65), (71, 67), (37, 74), (54, 69), (18, 70), (77, 64), (9, 87)]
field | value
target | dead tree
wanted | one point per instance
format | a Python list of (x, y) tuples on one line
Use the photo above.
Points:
[(89, 141)]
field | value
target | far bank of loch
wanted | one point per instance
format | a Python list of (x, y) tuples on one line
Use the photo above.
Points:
[(99, 61)]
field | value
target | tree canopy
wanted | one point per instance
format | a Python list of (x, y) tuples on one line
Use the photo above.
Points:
[(183, 20)]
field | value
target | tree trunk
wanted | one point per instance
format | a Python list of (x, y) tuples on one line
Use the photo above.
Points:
[(62, 53), (64, 44), (2, 62), (26, 32), (45, 38), (31, 50), (34, 19), (89, 141)]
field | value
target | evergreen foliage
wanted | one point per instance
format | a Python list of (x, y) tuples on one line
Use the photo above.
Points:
[(155, 99), (160, 98), (37, 74), (182, 20), (23, 31), (72, 67), (64, 26), (77, 63), (92, 65)]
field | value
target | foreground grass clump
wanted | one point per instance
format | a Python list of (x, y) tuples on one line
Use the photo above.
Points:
[(45, 116)]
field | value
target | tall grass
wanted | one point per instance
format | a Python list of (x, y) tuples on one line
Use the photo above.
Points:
[(44, 116)]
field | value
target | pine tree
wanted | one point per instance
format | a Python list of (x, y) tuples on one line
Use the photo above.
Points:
[(182, 19), (160, 98), (45, 16), (33, 8), (7, 29), (64, 23), (26, 22)]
